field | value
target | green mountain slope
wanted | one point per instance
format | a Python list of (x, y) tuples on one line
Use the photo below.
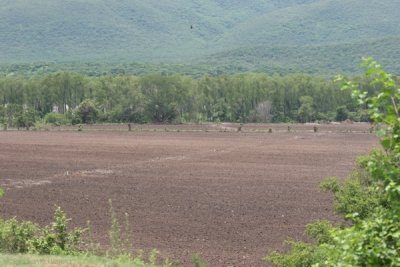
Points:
[(317, 59), (100, 29), (182, 31), (319, 22)]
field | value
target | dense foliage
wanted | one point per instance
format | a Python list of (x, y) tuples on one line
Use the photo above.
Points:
[(24, 237), (370, 198), (157, 98)]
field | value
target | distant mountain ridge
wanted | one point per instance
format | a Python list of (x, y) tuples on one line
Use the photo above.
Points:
[(177, 31)]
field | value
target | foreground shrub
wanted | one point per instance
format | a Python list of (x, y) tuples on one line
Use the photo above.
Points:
[(55, 239), (374, 241), (303, 254), (353, 196), (24, 237), (15, 237)]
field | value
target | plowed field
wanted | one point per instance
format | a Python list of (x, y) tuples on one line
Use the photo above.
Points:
[(229, 196)]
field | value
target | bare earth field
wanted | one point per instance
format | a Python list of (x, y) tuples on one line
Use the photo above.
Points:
[(229, 196)]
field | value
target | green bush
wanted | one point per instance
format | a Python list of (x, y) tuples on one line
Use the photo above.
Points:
[(353, 196), (21, 118), (57, 119), (306, 111), (300, 255), (320, 231), (24, 237), (374, 241), (342, 113), (87, 112), (359, 116), (15, 237), (55, 239)]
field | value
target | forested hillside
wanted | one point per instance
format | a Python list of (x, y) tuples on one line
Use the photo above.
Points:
[(312, 59), (280, 34)]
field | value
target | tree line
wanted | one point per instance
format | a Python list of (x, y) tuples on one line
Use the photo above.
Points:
[(68, 97)]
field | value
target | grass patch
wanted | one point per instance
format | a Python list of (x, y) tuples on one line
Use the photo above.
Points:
[(65, 261)]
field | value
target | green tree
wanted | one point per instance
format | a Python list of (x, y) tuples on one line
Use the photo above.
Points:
[(342, 113), (25, 118), (166, 97), (306, 111), (87, 112)]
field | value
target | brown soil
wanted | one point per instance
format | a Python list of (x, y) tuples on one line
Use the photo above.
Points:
[(229, 196)]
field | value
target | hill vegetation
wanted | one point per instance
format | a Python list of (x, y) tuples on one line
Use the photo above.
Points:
[(276, 36), (312, 59)]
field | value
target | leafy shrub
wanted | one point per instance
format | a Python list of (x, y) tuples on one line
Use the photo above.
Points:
[(15, 237), (320, 231), (300, 255), (306, 111), (22, 118), (56, 119), (324, 117), (359, 116), (56, 239), (126, 114), (374, 241), (304, 254), (353, 197), (87, 112), (23, 237), (342, 113)]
